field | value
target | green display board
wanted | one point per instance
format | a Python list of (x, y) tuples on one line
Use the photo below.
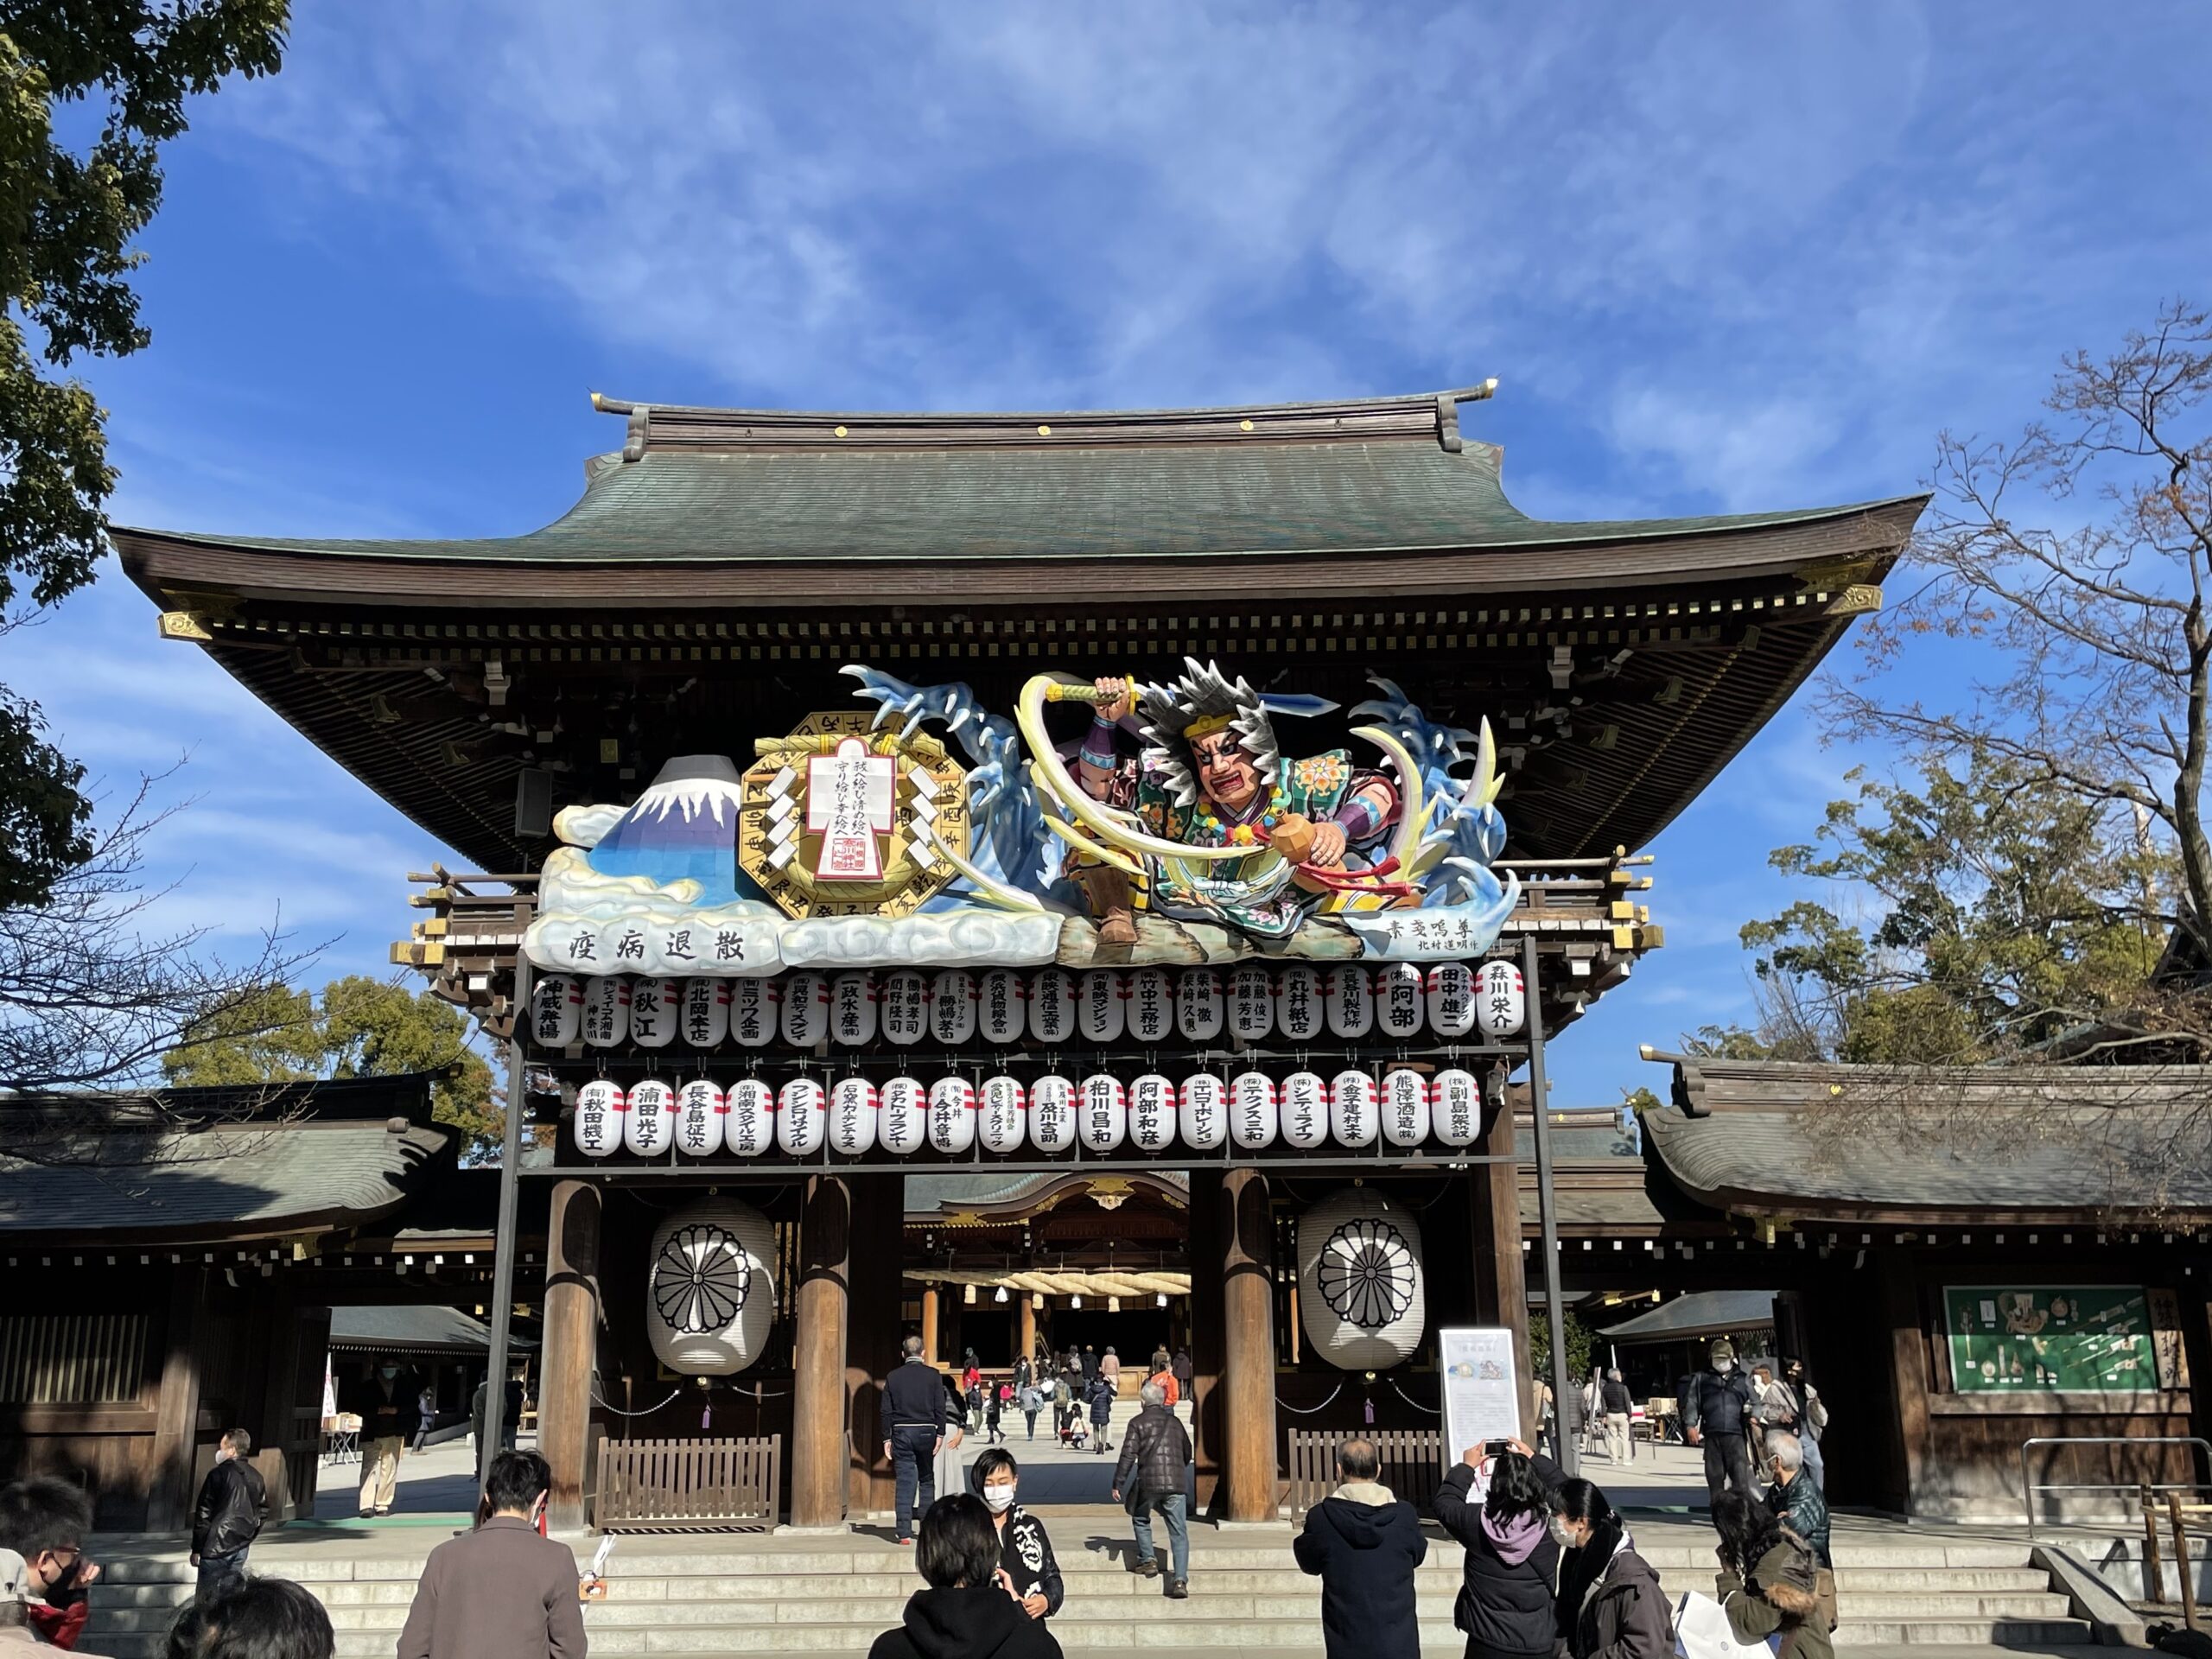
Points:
[(2050, 1340)]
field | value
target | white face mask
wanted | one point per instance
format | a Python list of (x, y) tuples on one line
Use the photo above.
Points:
[(998, 1499), (1723, 1366), (1563, 1534)]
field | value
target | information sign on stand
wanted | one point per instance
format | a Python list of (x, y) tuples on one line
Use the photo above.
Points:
[(1483, 1390)]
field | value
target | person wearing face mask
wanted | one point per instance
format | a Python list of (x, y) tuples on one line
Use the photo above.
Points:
[(1025, 1551), (499, 1591), (388, 1402), (1717, 1407), (1609, 1604), (226, 1515), (43, 1522)]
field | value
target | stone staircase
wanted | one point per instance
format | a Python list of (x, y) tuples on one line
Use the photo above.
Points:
[(685, 1598)]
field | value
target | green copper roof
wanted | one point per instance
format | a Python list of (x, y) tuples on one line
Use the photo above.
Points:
[(697, 486)]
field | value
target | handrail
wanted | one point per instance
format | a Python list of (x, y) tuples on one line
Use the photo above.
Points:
[(2029, 1489)]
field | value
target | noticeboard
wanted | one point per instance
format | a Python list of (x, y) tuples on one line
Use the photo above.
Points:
[(1482, 1387), (2050, 1340)]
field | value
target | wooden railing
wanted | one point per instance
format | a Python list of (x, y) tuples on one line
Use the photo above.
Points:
[(1412, 1462), (687, 1485)]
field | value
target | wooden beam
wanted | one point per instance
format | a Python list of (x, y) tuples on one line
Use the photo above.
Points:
[(176, 1425), (872, 1335), (572, 1318)]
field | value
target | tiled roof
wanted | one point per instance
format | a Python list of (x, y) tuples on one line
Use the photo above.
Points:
[(1700, 1313), (411, 1329)]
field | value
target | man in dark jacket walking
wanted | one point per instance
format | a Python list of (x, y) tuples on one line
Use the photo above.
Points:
[(1153, 1473), (1716, 1406), (227, 1516), (913, 1428), (1364, 1544)]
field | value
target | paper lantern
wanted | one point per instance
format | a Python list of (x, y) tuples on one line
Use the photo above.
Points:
[(1351, 1002), (1298, 1003), (753, 1006), (1398, 1000), (601, 1108), (1304, 1109), (852, 1010), (710, 1295), (1198, 1004), (1352, 1114), (902, 1117), (1051, 1114), (1152, 1005), (1152, 1112), (606, 1011), (1450, 995), (1102, 1001), (952, 1115), (656, 1011), (1455, 1106), (706, 1013), (1405, 1107), (1202, 1112), (700, 1108), (749, 1127), (1252, 1110), (1361, 1292), (801, 1115), (1104, 1119), (1001, 1119), (903, 1005), (952, 1007), (1251, 1003), (806, 1010), (1051, 1007), (852, 1116), (650, 1125), (1002, 1015), (1501, 999), (556, 1010)]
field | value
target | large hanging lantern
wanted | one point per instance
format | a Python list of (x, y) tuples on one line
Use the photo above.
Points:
[(1051, 1114), (556, 1010), (601, 1108), (1152, 1112), (1202, 1112), (1450, 997), (1455, 1106), (700, 1108), (1252, 1110), (1051, 1007), (1152, 1005), (852, 1009), (1361, 1284), (903, 1005), (1398, 1000), (1002, 1013), (710, 1295), (806, 1010), (1299, 1005), (749, 1127), (1304, 1109), (649, 1127), (655, 1010), (952, 1007), (852, 1116), (1104, 997), (1350, 1003), (753, 1005), (1001, 1118), (1352, 1109), (1405, 1108), (706, 1013), (902, 1117)]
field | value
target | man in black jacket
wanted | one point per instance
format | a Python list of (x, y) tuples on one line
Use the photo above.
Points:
[(1364, 1544), (227, 1516), (914, 1429), (1154, 1473), (1716, 1406)]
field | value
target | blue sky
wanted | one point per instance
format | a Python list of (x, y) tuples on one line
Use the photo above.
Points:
[(1720, 259)]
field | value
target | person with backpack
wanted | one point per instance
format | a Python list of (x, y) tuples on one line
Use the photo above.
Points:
[(1609, 1604), (1512, 1562), (1769, 1583)]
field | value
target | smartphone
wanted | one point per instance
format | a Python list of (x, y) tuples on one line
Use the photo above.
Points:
[(1496, 1448)]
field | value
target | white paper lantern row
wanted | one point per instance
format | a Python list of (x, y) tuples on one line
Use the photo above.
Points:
[(1052, 1115), (907, 1007)]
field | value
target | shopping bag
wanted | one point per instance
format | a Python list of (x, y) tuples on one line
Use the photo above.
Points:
[(1702, 1631)]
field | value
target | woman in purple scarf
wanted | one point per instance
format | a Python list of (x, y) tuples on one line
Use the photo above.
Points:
[(1505, 1601)]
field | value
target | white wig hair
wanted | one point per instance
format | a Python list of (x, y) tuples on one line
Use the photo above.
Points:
[(1202, 692)]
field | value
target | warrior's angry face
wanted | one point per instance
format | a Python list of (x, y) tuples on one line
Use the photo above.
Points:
[(1226, 775)]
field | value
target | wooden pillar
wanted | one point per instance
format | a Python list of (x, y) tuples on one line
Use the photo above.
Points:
[(1248, 1382), (1025, 1328), (928, 1324), (571, 1352), (170, 1483), (872, 1333), (818, 1355), (1494, 1219), (1900, 1305), (1205, 1317)]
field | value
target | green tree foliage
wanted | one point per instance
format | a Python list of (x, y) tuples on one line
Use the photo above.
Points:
[(358, 1027), (1581, 1345), (69, 214), (1971, 917)]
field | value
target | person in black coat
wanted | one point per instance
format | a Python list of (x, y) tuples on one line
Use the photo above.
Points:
[(1610, 1604), (1024, 1549), (968, 1611), (1505, 1599), (1364, 1544)]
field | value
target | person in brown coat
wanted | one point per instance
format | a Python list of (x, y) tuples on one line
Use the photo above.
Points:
[(1609, 1602), (1769, 1583), (501, 1592)]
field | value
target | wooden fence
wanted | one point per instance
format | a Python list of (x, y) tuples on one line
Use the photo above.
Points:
[(687, 1485), (1412, 1465)]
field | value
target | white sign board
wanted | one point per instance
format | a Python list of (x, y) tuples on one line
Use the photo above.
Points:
[(1482, 1388)]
